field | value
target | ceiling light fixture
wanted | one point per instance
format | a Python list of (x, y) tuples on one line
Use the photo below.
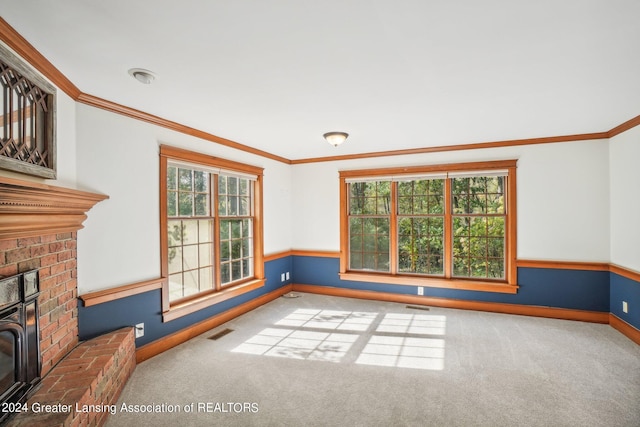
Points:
[(142, 75), (335, 138)]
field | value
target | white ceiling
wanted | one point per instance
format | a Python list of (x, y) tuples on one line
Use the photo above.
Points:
[(276, 75)]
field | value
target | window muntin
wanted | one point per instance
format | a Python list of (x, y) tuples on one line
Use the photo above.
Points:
[(212, 239), (191, 253), (189, 232), (236, 229), (449, 223), (190, 257), (369, 208), (421, 226), (479, 227)]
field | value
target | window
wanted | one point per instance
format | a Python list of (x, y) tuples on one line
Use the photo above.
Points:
[(443, 226), (211, 225)]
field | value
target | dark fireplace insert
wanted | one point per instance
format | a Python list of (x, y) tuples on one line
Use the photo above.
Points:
[(20, 359)]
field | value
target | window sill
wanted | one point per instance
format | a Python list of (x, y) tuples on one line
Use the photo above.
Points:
[(182, 309), (461, 284)]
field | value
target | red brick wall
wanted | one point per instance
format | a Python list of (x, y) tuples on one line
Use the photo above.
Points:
[(54, 256)]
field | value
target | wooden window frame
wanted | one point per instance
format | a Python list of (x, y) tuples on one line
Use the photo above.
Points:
[(182, 307), (508, 285)]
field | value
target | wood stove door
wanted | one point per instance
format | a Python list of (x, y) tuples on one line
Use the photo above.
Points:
[(12, 363)]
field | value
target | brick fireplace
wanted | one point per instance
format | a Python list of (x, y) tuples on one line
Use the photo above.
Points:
[(38, 225), (54, 256), (38, 231)]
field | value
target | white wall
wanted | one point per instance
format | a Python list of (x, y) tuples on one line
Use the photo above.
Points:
[(624, 152), (576, 201), (66, 141), (118, 156), (562, 195)]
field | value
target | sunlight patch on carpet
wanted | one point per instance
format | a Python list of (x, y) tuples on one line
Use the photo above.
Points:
[(400, 340)]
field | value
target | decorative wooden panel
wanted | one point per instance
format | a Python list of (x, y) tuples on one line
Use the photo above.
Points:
[(27, 119)]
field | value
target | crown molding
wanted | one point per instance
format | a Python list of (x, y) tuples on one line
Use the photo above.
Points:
[(31, 209), (104, 104), (23, 48), (473, 146), (629, 124)]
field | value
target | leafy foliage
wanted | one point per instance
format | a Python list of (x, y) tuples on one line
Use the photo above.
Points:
[(370, 205), (478, 226), (421, 226)]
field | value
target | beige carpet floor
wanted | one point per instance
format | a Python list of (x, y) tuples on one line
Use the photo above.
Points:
[(327, 361)]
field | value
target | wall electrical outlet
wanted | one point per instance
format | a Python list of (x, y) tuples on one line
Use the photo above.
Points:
[(625, 307), (287, 275), (420, 290), (139, 330), (282, 277)]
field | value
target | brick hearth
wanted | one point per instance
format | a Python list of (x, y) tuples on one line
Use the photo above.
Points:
[(84, 387)]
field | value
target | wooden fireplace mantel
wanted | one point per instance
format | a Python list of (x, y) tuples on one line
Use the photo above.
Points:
[(31, 209)]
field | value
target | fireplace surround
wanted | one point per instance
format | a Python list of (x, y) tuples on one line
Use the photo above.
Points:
[(38, 279)]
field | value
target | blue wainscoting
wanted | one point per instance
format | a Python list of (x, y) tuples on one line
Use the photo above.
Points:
[(625, 289), (599, 291), (146, 308), (571, 289)]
